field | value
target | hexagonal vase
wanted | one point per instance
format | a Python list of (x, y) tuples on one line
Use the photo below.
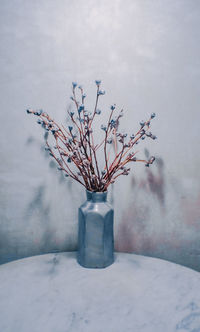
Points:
[(95, 232)]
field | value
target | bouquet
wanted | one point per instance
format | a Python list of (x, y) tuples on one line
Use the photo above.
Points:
[(76, 151)]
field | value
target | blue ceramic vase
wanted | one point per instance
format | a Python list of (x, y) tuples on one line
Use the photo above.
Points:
[(95, 231)]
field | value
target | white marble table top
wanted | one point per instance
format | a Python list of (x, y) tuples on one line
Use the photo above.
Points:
[(52, 293)]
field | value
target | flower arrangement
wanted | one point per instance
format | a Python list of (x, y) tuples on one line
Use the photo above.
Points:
[(75, 151)]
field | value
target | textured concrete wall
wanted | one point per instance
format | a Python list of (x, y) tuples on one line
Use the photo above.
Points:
[(148, 55)]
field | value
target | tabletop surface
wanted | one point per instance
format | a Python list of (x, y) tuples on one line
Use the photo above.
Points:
[(52, 293)]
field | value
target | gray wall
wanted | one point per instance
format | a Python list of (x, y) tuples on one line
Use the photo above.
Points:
[(147, 53)]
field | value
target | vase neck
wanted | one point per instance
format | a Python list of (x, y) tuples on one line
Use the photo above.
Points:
[(96, 196)]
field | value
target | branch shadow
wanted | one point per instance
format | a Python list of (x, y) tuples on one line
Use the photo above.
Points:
[(133, 227)]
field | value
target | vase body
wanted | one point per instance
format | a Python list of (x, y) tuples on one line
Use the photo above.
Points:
[(95, 231)]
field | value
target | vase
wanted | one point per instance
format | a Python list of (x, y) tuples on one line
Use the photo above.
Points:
[(95, 231)]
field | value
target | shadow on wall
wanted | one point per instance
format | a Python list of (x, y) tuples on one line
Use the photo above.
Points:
[(38, 232), (52, 163), (134, 223), (38, 205), (155, 184), (159, 222)]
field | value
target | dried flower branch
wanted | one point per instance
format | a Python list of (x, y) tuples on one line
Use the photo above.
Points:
[(75, 151)]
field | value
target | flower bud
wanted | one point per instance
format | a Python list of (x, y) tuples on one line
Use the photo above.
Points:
[(74, 85), (101, 92), (142, 132), (81, 108), (148, 133), (98, 82), (113, 123), (103, 127)]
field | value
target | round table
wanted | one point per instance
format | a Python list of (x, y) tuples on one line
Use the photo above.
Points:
[(52, 293)]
